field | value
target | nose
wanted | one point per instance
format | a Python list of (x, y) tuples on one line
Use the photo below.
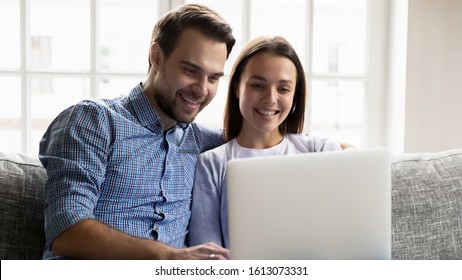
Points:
[(199, 87), (270, 96)]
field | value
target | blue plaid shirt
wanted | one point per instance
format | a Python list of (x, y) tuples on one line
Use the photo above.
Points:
[(109, 160)]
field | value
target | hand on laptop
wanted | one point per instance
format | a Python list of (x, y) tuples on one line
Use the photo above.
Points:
[(347, 147), (208, 251)]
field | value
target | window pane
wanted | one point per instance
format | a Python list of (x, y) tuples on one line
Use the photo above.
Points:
[(10, 114), (50, 96), (337, 110), (339, 36), (125, 34), (60, 34), (231, 11), (285, 18), (113, 87), (9, 32)]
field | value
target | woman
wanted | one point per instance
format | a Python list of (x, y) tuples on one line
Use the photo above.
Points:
[(264, 116)]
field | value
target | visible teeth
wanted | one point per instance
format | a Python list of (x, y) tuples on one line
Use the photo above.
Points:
[(192, 101), (267, 112)]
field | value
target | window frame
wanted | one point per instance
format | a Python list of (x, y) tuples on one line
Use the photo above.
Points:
[(373, 131), (373, 126), (26, 74)]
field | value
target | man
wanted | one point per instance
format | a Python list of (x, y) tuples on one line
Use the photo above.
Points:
[(120, 171)]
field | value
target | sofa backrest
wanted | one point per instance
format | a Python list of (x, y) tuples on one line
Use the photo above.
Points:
[(21, 207), (427, 205)]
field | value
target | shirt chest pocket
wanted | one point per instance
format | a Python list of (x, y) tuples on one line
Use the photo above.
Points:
[(133, 170), (152, 174), (178, 176)]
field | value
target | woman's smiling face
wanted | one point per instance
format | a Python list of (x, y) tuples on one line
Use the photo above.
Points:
[(266, 92)]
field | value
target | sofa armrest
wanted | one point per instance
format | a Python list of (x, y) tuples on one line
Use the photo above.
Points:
[(427, 205), (21, 207)]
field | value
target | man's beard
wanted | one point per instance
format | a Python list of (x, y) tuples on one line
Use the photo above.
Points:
[(168, 106)]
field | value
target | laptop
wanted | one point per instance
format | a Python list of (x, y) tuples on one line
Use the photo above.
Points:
[(316, 206)]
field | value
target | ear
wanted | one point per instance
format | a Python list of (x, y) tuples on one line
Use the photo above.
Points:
[(236, 90), (156, 56)]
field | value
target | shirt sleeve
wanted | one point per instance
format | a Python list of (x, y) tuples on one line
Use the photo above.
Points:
[(322, 144), (205, 223), (74, 152), (209, 138)]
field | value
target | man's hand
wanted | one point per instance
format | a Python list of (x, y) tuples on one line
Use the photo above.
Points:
[(209, 251), (90, 239)]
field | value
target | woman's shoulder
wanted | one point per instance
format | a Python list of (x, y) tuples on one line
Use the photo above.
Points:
[(314, 143), (212, 164)]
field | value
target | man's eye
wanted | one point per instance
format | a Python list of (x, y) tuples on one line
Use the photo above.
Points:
[(214, 79), (190, 71)]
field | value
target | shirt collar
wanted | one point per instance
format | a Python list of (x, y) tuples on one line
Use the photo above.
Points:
[(143, 110)]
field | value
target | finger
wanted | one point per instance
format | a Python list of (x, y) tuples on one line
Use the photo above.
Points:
[(220, 254), (214, 252), (221, 257)]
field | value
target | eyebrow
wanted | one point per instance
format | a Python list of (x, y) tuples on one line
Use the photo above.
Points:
[(260, 78), (198, 68)]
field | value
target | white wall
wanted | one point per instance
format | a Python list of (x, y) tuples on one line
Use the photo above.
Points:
[(433, 104)]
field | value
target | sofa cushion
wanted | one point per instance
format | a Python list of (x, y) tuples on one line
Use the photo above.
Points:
[(21, 207), (427, 205)]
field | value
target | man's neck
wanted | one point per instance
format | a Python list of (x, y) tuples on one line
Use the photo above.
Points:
[(166, 121)]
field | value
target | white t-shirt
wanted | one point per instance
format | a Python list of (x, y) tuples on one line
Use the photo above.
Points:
[(291, 144)]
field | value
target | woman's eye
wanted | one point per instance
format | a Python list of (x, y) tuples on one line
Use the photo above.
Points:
[(257, 86), (284, 90)]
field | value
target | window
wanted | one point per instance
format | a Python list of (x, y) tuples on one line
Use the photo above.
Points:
[(332, 39), (338, 68), (63, 52), (55, 53)]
